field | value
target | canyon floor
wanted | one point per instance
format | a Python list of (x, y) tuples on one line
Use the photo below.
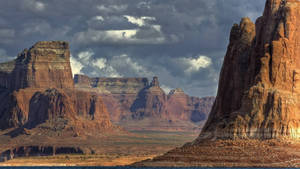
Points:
[(114, 149)]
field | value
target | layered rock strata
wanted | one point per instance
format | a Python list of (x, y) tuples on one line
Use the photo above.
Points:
[(37, 88), (258, 94), (136, 102), (44, 65)]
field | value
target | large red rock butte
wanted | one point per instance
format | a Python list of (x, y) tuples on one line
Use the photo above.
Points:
[(44, 65), (255, 120), (136, 104), (258, 94), (37, 88)]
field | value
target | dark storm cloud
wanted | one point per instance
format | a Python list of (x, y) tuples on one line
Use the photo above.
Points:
[(181, 41)]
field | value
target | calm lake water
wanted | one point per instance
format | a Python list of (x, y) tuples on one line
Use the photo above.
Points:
[(120, 168)]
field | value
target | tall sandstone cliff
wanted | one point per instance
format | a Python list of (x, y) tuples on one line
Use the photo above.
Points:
[(258, 94), (44, 65), (37, 88)]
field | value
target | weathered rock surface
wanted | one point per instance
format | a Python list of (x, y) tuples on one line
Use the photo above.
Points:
[(135, 104), (189, 108), (118, 94), (258, 95), (151, 102), (45, 65), (38, 88)]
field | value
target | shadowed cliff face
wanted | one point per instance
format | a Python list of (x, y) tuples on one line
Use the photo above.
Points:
[(135, 104), (258, 94), (151, 102), (37, 89)]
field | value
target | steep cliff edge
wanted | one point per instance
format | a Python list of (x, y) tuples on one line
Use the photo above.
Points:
[(261, 98), (38, 88), (255, 119), (44, 65), (41, 113)]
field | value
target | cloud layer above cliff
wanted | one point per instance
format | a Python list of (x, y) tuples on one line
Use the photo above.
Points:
[(183, 42)]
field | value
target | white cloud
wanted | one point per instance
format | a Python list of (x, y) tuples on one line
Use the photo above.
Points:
[(111, 8), (140, 21), (98, 18), (166, 89), (101, 67), (128, 36), (86, 56), (157, 28), (76, 66), (144, 5), (114, 66), (100, 63), (111, 36), (91, 66), (109, 71), (145, 33), (124, 62), (39, 6), (34, 5), (195, 64)]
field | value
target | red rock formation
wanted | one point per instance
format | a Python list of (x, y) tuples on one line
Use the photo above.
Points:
[(37, 88), (82, 81), (67, 108), (151, 102), (45, 65), (132, 101), (188, 108), (258, 93), (117, 93)]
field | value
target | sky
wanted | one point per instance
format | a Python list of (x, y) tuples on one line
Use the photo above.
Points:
[(183, 42)]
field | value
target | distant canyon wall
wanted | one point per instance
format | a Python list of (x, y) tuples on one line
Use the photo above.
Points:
[(135, 99)]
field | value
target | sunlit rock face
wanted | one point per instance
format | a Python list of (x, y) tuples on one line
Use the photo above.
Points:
[(46, 64), (37, 88), (259, 87)]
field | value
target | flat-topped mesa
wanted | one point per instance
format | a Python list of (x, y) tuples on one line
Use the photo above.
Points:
[(111, 85), (38, 89), (259, 87), (121, 85), (44, 65)]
